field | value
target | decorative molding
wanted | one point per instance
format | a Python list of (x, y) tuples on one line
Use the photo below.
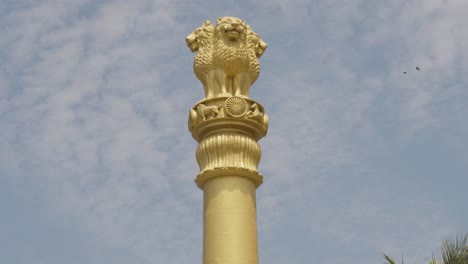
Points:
[(228, 150), (236, 109), (207, 175)]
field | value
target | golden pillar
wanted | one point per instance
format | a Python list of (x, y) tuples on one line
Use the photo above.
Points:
[(227, 124)]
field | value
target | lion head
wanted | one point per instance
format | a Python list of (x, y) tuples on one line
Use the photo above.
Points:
[(195, 39), (231, 28), (256, 43)]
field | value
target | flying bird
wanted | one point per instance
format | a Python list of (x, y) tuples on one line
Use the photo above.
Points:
[(418, 69), (404, 72)]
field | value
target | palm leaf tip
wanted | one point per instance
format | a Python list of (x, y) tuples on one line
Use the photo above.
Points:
[(389, 259)]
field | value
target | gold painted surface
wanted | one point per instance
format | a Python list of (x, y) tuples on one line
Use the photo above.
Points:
[(210, 116), (228, 150), (227, 124), (226, 62), (230, 222)]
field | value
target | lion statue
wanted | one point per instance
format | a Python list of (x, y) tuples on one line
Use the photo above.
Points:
[(226, 62), (201, 41)]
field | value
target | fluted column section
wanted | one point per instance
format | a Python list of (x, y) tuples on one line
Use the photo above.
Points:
[(227, 154), (228, 150)]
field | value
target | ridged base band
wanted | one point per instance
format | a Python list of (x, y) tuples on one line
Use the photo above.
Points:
[(207, 175)]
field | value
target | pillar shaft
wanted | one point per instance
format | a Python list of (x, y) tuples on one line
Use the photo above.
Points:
[(230, 221)]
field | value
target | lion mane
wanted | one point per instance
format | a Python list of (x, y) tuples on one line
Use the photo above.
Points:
[(227, 56), (201, 41)]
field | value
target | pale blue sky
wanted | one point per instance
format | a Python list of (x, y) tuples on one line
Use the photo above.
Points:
[(97, 164)]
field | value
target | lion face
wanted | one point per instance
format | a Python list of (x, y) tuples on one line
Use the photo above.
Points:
[(193, 40), (232, 28), (257, 43)]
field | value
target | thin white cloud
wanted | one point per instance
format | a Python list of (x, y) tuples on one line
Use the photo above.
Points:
[(93, 110)]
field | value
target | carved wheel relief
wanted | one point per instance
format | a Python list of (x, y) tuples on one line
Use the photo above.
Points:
[(235, 106), (230, 107)]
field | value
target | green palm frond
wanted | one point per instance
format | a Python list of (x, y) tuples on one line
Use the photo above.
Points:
[(389, 259), (455, 251)]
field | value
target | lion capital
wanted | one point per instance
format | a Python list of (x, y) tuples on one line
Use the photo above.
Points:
[(226, 62)]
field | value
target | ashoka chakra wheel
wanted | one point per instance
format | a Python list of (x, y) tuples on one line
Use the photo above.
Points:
[(235, 106)]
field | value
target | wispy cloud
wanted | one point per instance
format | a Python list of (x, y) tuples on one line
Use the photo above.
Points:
[(93, 103)]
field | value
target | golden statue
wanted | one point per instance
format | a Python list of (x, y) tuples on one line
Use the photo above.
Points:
[(227, 124), (227, 56)]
